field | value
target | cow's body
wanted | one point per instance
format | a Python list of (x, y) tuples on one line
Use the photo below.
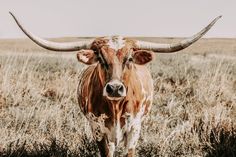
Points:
[(122, 118)]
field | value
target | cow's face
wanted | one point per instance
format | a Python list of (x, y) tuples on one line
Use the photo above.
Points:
[(116, 60)]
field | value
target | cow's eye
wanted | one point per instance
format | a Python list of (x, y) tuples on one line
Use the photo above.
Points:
[(130, 59), (99, 59), (127, 62), (103, 62)]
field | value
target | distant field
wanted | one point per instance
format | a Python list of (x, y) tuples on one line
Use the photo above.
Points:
[(205, 45), (194, 110)]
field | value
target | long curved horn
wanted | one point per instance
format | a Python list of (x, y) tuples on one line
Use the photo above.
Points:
[(54, 46), (168, 48)]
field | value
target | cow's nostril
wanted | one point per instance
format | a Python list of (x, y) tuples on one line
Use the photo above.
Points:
[(109, 89), (121, 88)]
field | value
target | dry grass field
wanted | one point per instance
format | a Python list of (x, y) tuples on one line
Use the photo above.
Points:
[(193, 114)]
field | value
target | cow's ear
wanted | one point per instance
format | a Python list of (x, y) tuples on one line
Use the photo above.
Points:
[(87, 57), (142, 57)]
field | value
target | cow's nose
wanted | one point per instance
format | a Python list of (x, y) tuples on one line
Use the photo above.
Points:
[(115, 89)]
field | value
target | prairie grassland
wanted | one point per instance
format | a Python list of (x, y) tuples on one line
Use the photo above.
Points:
[(193, 114)]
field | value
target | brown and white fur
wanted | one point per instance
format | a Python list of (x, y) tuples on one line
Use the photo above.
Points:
[(115, 60)]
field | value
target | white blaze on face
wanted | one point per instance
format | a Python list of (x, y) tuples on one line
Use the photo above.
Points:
[(116, 42)]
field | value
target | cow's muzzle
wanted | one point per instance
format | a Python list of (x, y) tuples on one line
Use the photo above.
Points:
[(114, 90)]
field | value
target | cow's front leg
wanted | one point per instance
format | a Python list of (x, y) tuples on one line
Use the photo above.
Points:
[(106, 148), (102, 146), (131, 140)]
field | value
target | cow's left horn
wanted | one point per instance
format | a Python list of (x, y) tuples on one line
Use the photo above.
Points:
[(54, 46), (168, 48)]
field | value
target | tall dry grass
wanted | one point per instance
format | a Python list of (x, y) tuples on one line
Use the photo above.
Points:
[(193, 113)]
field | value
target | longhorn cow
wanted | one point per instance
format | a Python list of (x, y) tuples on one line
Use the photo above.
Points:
[(115, 92)]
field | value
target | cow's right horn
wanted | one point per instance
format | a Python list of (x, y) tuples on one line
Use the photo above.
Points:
[(54, 46)]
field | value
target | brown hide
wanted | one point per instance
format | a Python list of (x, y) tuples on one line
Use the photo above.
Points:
[(136, 78)]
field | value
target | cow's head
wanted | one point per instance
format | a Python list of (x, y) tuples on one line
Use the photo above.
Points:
[(116, 56)]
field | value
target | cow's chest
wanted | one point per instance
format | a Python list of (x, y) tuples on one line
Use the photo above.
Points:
[(116, 133)]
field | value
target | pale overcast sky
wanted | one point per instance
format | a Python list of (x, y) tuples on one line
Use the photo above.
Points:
[(158, 18)]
